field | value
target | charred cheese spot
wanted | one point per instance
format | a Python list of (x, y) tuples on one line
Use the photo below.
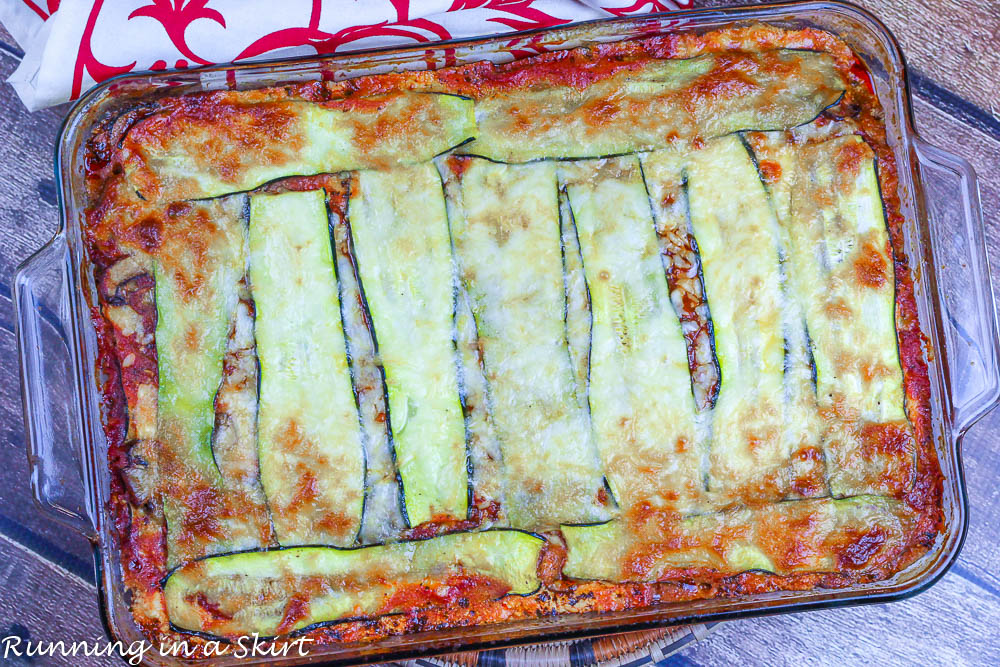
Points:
[(892, 439), (600, 112), (730, 78), (296, 609), (212, 609), (336, 523), (146, 234), (808, 474), (860, 547), (770, 170), (205, 506), (870, 266), (849, 159), (838, 309), (306, 492)]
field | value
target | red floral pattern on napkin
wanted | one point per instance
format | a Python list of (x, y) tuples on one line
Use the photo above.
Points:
[(72, 44)]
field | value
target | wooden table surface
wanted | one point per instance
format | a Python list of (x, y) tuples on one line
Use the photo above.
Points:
[(46, 573)]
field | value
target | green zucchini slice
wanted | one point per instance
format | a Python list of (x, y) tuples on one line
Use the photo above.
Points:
[(735, 230), (280, 591), (210, 506), (505, 228), (654, 105), (486, 473), (402, 248), (776, 167), (792, 537), (665, 181), (383, 519), (234, 438), (312, 462), (578, 317), (843, 265), (184, 153), (640, 396)]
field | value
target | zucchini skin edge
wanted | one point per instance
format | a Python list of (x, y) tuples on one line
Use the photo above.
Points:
[(370, 326), (322, 624)]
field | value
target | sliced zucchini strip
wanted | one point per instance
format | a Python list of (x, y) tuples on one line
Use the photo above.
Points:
[(816, 535), (291, 589), (198, 270), (485, 455), (403, 251), (841, 256), (312, 462), (665, 181), (640, 396), (735, 230), (776, 166), (578, 317), (234, 440), (183, 153), (505, 228), (654, 105), (383, 519)]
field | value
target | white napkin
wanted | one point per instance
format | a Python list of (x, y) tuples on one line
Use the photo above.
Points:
[(72, 44)]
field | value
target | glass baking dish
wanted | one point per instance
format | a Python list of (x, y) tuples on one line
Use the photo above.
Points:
[(944, 238)]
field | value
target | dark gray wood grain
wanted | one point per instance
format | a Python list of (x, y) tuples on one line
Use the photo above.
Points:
[(41, 602), (28, 215), (953, 42), (44, 589), (947, 625)]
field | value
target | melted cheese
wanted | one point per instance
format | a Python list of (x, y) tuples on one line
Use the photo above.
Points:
[(407, 278), (818, 535), (485, 455), (840, 253), (383, 514), (656, 104), (295, 588), (234, 441), (198, 275), (640, 390), (664, 180), (506, 233), (804, 428), (183, 153), (735, 233), (312, 463), (579, 318)]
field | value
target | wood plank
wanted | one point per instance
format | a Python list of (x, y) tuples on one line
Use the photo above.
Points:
[(28, 214), (7, 38), (952, 41), (953, 622), (28, 218), (33, 606)]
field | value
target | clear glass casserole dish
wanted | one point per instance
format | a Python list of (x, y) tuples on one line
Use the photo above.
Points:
[(944, 237)]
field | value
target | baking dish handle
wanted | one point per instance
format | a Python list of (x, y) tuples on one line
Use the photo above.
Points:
[(958, 239), (50, 385)]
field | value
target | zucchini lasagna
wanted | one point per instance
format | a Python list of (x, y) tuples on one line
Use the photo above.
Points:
[(596, 329)]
